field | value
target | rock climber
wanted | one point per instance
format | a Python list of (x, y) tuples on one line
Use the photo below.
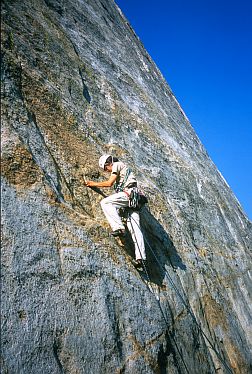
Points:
[(123, 180)]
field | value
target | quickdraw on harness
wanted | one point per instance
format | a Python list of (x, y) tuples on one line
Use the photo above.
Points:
[(137, 199)]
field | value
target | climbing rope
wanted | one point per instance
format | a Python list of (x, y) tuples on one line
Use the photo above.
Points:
[(185, 303), (157, 298)]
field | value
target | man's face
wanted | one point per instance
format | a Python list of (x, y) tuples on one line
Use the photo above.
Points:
[(108, 168)]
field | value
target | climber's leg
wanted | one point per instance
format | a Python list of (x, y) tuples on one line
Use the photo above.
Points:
[(133, 224), (110, 206)]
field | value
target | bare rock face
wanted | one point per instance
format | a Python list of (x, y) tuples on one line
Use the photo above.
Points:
[(77, 83)]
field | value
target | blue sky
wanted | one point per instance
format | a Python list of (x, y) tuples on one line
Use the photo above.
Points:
[(203, 48)]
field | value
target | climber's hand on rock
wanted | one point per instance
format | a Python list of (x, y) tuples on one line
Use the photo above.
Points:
[(89, 184)]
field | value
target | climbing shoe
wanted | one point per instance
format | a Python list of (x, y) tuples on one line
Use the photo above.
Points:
[(140, 264), (119, 232)]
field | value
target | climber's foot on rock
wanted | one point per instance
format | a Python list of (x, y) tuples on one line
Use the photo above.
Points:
[(119, 232), (139, 264)]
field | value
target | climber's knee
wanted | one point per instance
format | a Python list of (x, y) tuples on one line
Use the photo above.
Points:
[(102, 203), (105, 202)]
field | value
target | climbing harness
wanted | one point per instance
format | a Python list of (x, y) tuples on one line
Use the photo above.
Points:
[(136, 198), (185, 303)]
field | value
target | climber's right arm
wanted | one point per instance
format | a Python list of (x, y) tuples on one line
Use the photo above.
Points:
[(107, 183)]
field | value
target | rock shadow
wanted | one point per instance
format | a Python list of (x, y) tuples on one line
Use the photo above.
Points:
[(160, 251)]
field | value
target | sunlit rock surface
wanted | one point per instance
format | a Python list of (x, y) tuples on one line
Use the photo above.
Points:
[(77, 83)]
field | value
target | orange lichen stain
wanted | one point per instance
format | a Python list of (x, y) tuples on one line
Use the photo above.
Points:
[(214, 313), (215, 316), (141, 351), (19, 168), (237, 362), (202, 252), (58, 124)]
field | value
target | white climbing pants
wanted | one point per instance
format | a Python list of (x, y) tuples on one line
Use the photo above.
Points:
[(110, 206)]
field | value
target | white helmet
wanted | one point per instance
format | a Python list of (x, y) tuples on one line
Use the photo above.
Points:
[(102, 160)]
